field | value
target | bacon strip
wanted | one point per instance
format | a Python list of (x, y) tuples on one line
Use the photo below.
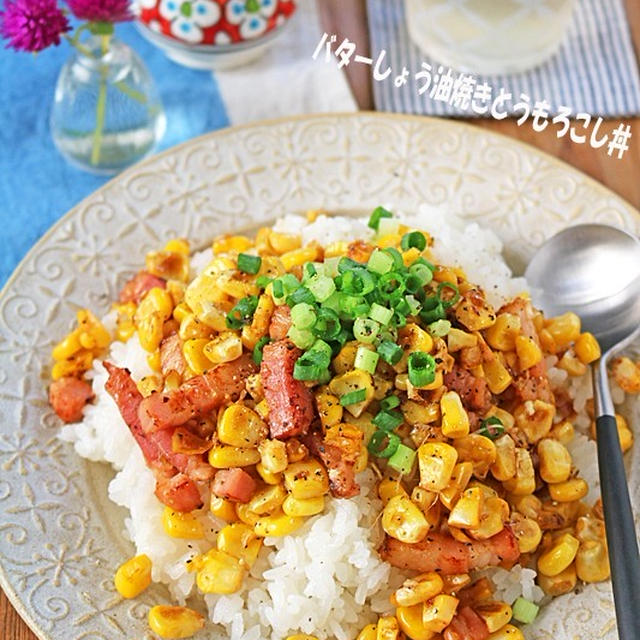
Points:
[(171, 358), (474, 392), (280, 323), (340, 469), (68, 396), (136, 288)]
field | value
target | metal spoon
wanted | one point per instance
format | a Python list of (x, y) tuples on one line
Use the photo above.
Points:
[(594, 270)]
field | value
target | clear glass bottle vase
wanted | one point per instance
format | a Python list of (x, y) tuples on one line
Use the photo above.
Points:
[(106, 112)]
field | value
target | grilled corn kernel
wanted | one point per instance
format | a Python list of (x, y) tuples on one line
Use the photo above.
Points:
[(495, 614), (504, 467), (352, 381), (296, 451), (227, 243), (267, 500), (497, 376), (273, 455), (298, 257), (423, 499), (388, 487), (181, 525), (262, 409), (240, 541), (458, 339), (133, 577), (460, 477), (267, 476), (277, 524), (150, 331), (528, 351), (345, 359), (478, 450), (571, 364), (402, 520), (191, 327), (219, 572), (149, 384), (555, 460), (223, 508), (439, 611), (524, 482), (362, 460), (329, 409), (502, 335), (466, 512), (494, 514), (226, 456), (534, 418), (245, 514), (412, 337), (455, 421), (559, 556), (562, 582), (307, 479), (562, 432), (568, 491), (284, 242), (259, 326), (627, 374), (416, 590), (387, 628), (592, 561), (625, 434), (564, 329), (223, 348), (302, 508), (67, 347), (410, 622), (474, 312), (193, 352), (508, 632), (455, 582), (527, 532), (436, 462), (174, 622), (241, 427), (368, 633), (416, 413)]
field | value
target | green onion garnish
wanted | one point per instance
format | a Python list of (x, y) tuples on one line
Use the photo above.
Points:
[(387, 226), (377, 214), (302, 338), (303, 315), (366, 360), (248, 263), (391, 286), (491, 427), (353, 397), (301, 294), (327, 325), (308, 271), (422, 368), (263, 281), (377, 445), (398, 260), (390, 352), (345, 264), (284, 286), (439, 328), (242, 313), (402, 459), (365, 330), (324, 348), (311, 365), (321, 287), (421, 272), (353, 306), (380, 314), (413, 239), (257, 350), (448, 302), (388, 420), (380, 262), (390, 402), (432, 310), (524, 610)]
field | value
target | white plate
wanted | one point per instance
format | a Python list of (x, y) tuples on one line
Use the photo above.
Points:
[(60, 538)]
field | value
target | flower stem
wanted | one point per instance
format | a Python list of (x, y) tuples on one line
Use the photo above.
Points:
[(101, 104)]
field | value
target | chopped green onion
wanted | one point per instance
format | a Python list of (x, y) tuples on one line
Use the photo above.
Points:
[(524, 610), (432, 310), (302, 338), (380, 314), (311, 365), (388, 420), (366, 360), (446, 303), (331, 266), (421, 272), (412, 282), (377, 215), (353, 397), (321, 287), (399, 320), (365, 330), (353, 306), (248, 263), (327, 325), (242, 313), (303, 316), (346, 264), (388, 333), (357, 281), (398, 260), (422, 368), (333, 302), (402, 307), (284, 286), (387, 226), (380, 262), (413, 239), (263, 281), (491, 427), (391, 286), (439, 328), (377, 445), (390, 402), (322, 347), (301, 294), (390, 352), (308, 271), (257, 350), (414, 305), (402, 459)]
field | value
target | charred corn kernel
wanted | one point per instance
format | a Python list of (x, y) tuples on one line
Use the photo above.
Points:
[(262, 409), (561, 554), (568, 491), (178, 245), (329, 409), (153, 360), (133, 577), (502, 335), (193, 352), (627, 374), (77, 364), (149, 384), (227, 243), (625, 434), (388, 487), (412, 337), (416, 590), (495, 614), (174, 622), (267, 500), (170, 265), (387, 628), (504, 467), (302, 508), (340, 248), (345, 359), (347, 437), (226, 456), (223, 348), (478, 450), (466, 511), (202, 296), (423, 499), (528, 351), (368, 633), (571, 364), (284, 242), (273, 455), (254, 386), (306, 479), (240, 541), (417, 413), (67, 347), (388, 240), (156, 300), (223, 508), (267, 476), (219, 572), (150, 331), (458, 339), (241, 427), (436, 461), (527, 532), (460, 477), (439, 611), (191, 327), (298, 257), (592, 561), (402, 520), (445, 274), (245, 514), (454, 582), (233, 287), (176, 289), (497, 376), (562, 432), (277, 524), (528, 505), (524, 482), (181, 525), (410, 622), (563, 582), (494, 514), (455, 421), (508, 632), (555, 461), (547, 342), (362, 460), (352, 381), (474, 312), (260, 322), (296, 451), (534, 418), (564, 329)]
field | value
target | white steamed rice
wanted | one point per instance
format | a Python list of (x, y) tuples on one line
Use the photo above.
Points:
[(326, 579)]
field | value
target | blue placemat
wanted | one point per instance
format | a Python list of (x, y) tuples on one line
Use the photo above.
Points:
[(37, 186)]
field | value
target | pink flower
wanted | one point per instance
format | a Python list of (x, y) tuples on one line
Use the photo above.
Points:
[(101, 10), (32, 25)]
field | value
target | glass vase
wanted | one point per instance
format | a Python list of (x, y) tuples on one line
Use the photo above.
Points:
[(106, 112)]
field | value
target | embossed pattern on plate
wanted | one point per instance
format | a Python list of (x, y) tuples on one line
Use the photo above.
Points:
[(60, 538)]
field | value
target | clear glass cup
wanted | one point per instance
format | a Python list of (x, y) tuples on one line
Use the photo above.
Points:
[(489, 36), (106, 112)]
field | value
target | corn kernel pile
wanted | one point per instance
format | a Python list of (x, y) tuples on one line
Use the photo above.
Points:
[(483, 442)]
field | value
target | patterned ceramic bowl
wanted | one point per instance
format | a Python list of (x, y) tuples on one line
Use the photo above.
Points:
[(215, 34)]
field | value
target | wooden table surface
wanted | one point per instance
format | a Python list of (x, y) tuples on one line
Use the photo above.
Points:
[(348, 19)]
